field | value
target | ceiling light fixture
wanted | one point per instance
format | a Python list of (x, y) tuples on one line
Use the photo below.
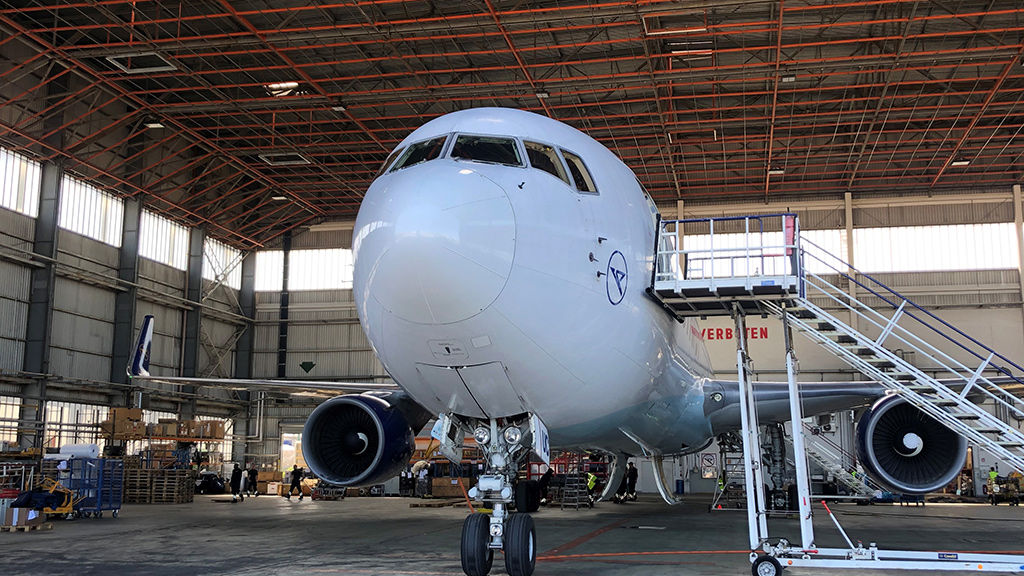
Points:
[(281, 88), (776, 171), (788, 79), (961, 163), (153, 124), (279, 198), (542, 94), (339, 108)]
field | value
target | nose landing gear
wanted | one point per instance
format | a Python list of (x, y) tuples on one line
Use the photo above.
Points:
[(502, 441)]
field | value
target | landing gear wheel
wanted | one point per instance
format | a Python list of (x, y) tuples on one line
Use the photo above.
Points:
[(766, 566), (522, 496), (476, 556), (520, 545), (527, 496)]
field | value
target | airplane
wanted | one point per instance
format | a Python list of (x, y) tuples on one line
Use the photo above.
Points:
[(501, 266)]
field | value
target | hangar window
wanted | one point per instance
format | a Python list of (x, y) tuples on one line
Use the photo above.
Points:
[(488, 149), (222, 263), (936, 248), (19, 183), (391, 158), (543, 157), (163, 241), (72, 423), (324, 269), (87, 210), (421, 152), (580, 174), (10, 412), (270, 271)]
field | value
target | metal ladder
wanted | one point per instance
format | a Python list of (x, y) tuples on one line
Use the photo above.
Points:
[(830, 457)]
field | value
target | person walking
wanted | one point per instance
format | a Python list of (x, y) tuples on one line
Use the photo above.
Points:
[(631, 477), (296, 483), (236, 485), (254, 476)]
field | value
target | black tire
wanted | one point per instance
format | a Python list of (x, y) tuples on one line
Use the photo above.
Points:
[(476, 556), (522, 496), (520, 545), (766, 566), (533, 496)]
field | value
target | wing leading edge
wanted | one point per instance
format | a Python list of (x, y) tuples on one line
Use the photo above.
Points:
[(138, 369)]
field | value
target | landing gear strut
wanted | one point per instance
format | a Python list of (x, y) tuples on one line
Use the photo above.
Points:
[(505, 443)]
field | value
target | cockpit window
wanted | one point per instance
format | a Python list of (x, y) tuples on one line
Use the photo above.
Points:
[(421, 152), (391, 158), (584, 182), (543, 157), (487, 149)]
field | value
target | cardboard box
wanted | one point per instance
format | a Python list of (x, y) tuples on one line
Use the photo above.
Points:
[(217, 429), (23, 517), (126, 414), (283, 489), (271, 476), (129, 429), (446, 487), (107, 428)]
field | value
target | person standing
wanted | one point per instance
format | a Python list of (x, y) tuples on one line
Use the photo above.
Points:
[(631, 477), (254, 476), (296, 483), (236, 485)]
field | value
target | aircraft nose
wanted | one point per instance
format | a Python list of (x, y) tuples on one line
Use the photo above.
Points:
[(441, 241)]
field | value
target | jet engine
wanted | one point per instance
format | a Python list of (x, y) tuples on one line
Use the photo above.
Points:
[(361, 439), (906, 450)]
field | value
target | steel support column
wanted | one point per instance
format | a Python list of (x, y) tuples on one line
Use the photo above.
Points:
[(282, 328), (40, 308), (124, 301), (193, 317)]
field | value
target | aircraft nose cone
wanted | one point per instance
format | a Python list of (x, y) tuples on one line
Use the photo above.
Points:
[(443, 239)]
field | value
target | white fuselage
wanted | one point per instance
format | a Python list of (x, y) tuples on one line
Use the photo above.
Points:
[(490, 290)]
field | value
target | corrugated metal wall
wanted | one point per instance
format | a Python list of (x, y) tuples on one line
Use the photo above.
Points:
[(82, 334), (16, 230), (323, 328)]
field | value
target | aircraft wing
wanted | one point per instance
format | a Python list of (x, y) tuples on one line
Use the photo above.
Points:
[(138, 369)]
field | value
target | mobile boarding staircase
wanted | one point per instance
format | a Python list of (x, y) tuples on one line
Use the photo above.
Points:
[(762, 265)]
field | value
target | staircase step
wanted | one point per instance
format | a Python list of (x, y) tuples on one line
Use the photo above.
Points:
[(918, 387), (966, 416), (844, 339), (1010, 444), (942, 402), (988, 430)]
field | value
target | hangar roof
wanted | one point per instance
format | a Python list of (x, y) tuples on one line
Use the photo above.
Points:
[(276, 114)]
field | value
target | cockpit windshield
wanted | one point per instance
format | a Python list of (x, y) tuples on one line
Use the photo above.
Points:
[(543, 157), (390, 159), (489, 149), (421, 152)]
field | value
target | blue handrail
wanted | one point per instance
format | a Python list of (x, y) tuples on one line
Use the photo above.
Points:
[(912, 303)]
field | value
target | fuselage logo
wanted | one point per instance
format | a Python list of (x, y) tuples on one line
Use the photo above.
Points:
[(616, 278)]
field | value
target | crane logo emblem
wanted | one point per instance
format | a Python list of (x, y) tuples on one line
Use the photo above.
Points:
[(617, 278)]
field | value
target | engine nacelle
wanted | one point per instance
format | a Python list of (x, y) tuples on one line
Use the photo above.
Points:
[(906, 450), (357, 440)]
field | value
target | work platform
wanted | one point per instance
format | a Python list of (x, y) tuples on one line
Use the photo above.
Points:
[(760, 264), (707, 266)]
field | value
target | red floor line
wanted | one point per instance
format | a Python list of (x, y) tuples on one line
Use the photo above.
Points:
[(550, 556), (584, 538)]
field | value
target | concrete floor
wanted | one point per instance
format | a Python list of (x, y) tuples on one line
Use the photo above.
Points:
[(368, 536)]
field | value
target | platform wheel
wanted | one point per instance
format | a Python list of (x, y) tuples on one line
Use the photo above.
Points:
[(476, 556), (520, 545), (114, 513), (766, 566)]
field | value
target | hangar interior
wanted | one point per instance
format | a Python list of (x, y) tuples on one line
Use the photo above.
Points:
[(203, 162)]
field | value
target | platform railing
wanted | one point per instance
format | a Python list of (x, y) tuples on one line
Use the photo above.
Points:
[(743, 251)]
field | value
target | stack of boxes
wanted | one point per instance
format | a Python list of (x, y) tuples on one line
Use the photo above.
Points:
[(124, 424)]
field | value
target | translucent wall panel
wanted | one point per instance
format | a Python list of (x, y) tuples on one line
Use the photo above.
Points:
[(935, 248), (19, 183), (222, 263), (163, 241), (86, 210)]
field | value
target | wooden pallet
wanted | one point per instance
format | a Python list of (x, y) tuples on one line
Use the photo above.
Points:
[(31, 528)]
